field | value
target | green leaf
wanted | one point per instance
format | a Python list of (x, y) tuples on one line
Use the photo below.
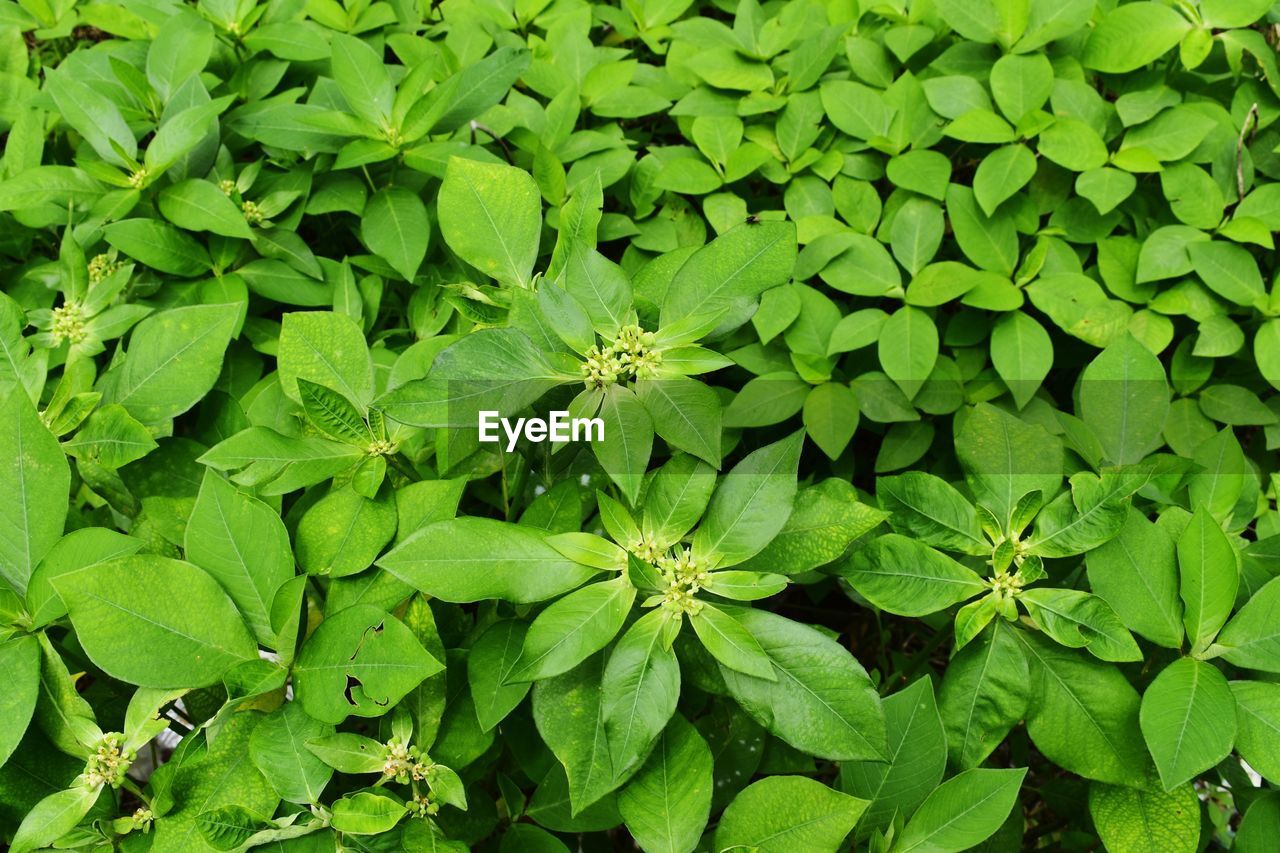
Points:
[(1022, 353), (908, 348), (366, 813), (490, 215), (1228, 270), (730, 643), (243, 544), (1188, 719), (826, 518), (490, 663), (470, 559), (395, 227), (35, 478), (906, 577), (133, 626), (327, 348), (1079, 620), (278, 748), (628, 440), (173, 360), (198, 205), (985, 692), (573, 628), (1124, 399), (20, 660), (639, 688), (1001, 174), (930, 510), (1252, 637), (820, 701), (1137, 574), (1257, 721), (667, 803), (359, 661), (343, 532), (1146, 820), (831, 417), (362, 78), (1133, 35), (686, 414), (962, 812), (815, 817), (1083, 714), (751, 504), (1209, 576), (53, 817), (731, 271), (917, 759), (159, 245)]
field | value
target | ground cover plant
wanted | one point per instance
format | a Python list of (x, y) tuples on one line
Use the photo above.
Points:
[(935, 348)]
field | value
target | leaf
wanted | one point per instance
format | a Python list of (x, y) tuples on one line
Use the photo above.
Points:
[(470, 559), (730, 271), (1257, 721), (134, 628), (362, 78), (908, 348), (1209, 575), (1022, 353), (686, 414), (159, 246), (35, 478), (985, 692), (396, 228), (278, 749), (490, 215), (667, 803), (628, 440), (1001, 174), (1146, 820), (1188, 719), (930, 510), (639, 689), (751, 504), (1079, 620), (826, 518), (1137, 574), (1252, 637), (173, 360), (20, 659), (1124, 399), (1133, 35), (820, 700), (917, 759), (1083, 715), (326, 348), (906, 577), (360, 661), (53, 817), (730, 643), (366, 813), (573, 628), (831, 417), (815, 818), (198, 205), (490, 663), (243, 544), (963, 811)]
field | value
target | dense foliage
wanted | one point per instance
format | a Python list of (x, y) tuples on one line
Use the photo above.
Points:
[(935, 344)]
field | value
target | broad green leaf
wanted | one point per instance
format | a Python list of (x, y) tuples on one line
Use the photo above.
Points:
[(908, 348), (1188, 720), (820, 700), (396, 228), (667, 803), (491, 217), (731, 271), (1079, 620), (359, 661), (1137, 574), (1022, 353), (362, 77), (136, 629), (1001, 174), (327, 348), (198, 205), (930, 510), (906, 577), (20, 660), (1124, 399), (1083, 714), (35, 478), (573, 628), (1252, 638), (173, 360), (1228, 270), (1257, 722), (1133, 35), (1146, 820), (490, 663), (962, 812), (1209, 576), (470, 559), (826, 519), (243, 544), (815, 817), (160, 246), (916, 762), (730, 643), (751, 504), (985, 692), (639, 688), (366, 813), (53, 817), (278, 749)]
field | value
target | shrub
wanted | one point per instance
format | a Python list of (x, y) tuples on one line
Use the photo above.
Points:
[(923, 362)]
